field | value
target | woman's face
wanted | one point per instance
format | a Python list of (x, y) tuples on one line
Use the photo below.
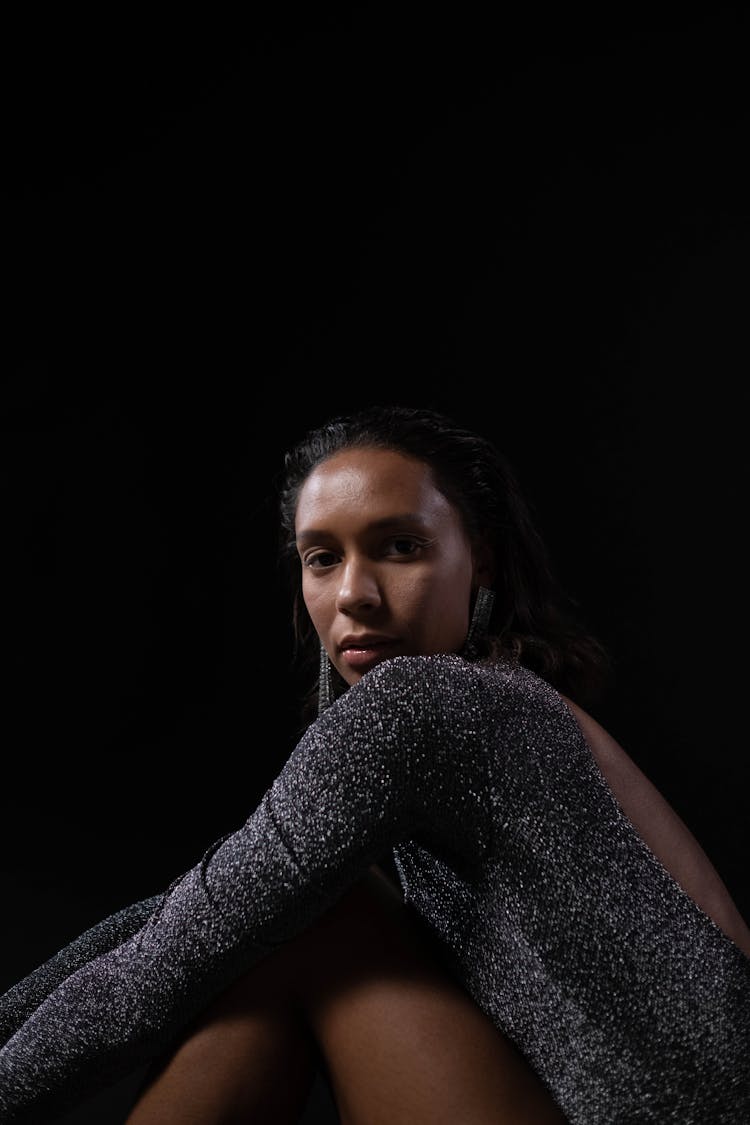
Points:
[(387, 566)]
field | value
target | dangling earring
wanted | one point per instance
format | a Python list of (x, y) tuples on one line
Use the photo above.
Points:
[(325, 688), (480, 620)]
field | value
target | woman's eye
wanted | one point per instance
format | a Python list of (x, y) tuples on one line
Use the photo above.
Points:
[(402, 546), (320, 560)]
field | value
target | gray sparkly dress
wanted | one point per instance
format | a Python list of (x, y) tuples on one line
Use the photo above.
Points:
[(630, 1003)]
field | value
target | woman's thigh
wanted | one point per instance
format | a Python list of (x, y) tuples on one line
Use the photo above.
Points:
[(249, 1057), (364, 994), (402, 1041)]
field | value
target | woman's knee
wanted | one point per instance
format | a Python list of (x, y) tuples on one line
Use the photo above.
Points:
[(364, 993), (401, 1038), (249, 1056)]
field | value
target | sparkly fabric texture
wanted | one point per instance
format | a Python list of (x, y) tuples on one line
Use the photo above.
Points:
[(632, 1005)]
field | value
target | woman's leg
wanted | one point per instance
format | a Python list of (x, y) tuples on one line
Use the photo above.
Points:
[(250, 1059), (401, 1042)]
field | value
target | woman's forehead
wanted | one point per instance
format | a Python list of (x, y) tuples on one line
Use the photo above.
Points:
[(369, 483)]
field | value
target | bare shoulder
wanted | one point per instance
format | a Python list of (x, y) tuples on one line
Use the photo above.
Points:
[(662, 829)]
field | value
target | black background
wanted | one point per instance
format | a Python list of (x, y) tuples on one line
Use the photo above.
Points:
[(219, 232)]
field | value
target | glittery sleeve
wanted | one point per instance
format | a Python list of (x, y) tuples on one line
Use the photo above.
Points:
[(370, 772), (17, 1004)]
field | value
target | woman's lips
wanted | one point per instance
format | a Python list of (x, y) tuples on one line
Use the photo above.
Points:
[(360, 659)]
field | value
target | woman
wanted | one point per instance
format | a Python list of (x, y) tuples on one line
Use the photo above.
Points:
[(559, 949)]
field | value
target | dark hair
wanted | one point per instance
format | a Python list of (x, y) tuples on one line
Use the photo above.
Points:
[(534, 621)]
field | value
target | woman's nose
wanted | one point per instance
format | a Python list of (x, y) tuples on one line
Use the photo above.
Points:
[(358, 588)]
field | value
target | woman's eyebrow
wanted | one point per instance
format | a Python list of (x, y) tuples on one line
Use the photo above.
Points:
[(386, 523), (398, 521)]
